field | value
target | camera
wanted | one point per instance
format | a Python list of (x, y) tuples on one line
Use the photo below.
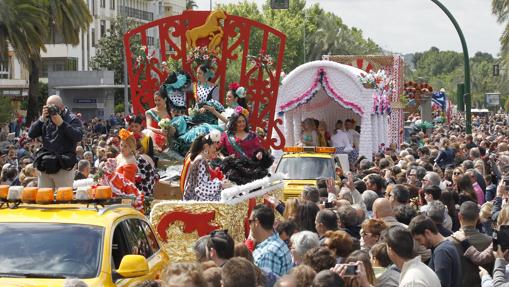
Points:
[(53, 110), (351, 270)]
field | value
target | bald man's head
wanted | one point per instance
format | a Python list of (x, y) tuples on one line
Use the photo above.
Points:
[(382, 208), (55, 100)]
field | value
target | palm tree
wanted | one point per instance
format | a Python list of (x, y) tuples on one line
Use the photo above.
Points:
[(68, 18), (500, 8), (22, 25), (191, 4)]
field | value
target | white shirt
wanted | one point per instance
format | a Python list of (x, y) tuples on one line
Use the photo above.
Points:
[(340, 139), (417, 274), (354, 137)]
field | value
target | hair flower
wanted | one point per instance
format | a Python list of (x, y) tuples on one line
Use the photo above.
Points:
[(241, 92), (234, 86), (214, 136), (124, 134), (238, 109)]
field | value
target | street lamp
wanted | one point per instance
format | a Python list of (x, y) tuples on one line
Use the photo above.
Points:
[(466, 60)]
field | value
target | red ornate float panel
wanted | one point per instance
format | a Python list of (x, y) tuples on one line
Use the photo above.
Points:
[(234, 38)]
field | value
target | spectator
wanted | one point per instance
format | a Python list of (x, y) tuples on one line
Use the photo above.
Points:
[(184, 274), (286, 281), (286, 229), (301, 243), (349, 221), (371, 231), (445, 260), (238, 271), (220, 247), (400, 250), (304, 275), (355, 257), (320, 258), (200, 248), (325, 220), (369, 198), (83, 170), (399, 195), (438, 212), (469, 217), (404, 213), (327, 278), (386, 273), (212, 276), (382, 210), (271, 252), (60, 131), (306, 215)]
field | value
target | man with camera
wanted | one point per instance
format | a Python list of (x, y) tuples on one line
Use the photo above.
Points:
[(60, 131)]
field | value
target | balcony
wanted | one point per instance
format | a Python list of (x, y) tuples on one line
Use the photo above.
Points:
[(136, 13)]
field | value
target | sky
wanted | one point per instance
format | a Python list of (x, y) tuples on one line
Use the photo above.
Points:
[(409, 26)]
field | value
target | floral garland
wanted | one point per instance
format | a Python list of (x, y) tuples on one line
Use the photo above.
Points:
[(262, 60), (384, 88), (203, 56), (321, 81)]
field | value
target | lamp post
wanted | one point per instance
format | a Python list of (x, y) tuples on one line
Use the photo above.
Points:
[(466, 94)]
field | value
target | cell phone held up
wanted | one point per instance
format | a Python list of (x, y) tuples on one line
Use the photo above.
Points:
[(501, 238)]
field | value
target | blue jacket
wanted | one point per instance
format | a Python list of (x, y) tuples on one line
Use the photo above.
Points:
[(62, 139)]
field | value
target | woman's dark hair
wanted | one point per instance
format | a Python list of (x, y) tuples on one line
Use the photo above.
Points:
[(449, 199), (197, 146), (465, 188), (206, 69), (232, 124), (241, 101), (222, 242), (306, 214), (379, 252)]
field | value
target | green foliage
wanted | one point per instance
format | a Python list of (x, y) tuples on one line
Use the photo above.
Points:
[(322, 32), (110, 49), (6, 111), (119, 108), (444, 69)]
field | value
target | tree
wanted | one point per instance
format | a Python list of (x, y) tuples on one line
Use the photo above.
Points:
[(110, 49), (21, 27), (68, 19), (324, 32), (191, 4), (500, 8)]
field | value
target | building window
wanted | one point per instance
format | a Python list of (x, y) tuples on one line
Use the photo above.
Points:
[(103, 28), (93, 8), (4, 70), (58, 65), (93, 37), (150, 41), (112, 4), (103, 3)]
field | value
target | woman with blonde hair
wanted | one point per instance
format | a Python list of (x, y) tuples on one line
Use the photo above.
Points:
[(291, 206), (355, 257), (28, 176)]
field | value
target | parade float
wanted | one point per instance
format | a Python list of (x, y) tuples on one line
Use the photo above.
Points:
[(329, 91), (227, 40), (393, 67)]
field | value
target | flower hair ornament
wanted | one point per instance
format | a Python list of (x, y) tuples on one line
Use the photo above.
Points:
[(181, 82), (124, 134), (238, 90), (214, 136), (241, 110)]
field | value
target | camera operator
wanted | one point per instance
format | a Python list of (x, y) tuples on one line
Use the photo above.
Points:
[(60, 131)]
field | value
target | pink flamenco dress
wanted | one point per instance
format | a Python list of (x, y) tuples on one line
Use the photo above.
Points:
[(160, 140), (122, 180)]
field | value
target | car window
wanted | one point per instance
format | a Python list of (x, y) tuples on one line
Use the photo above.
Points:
[(151, 237), (137, 239), (50, 250), (119, 246), (306, 168)]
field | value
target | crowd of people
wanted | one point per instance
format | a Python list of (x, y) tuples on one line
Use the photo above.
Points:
[(433, 213)]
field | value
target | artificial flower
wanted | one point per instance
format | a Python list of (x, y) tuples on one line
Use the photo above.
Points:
[(124, 134)]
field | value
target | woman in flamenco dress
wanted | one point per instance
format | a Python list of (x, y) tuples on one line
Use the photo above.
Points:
[(245, 160), (135, 125), (185, 129), (153, 117), (201, 182), (236, 96), (120, 173)]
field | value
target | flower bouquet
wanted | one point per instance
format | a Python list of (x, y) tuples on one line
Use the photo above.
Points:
[(165, 125)]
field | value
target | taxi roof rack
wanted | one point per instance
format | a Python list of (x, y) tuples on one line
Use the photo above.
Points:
[(317, 149)]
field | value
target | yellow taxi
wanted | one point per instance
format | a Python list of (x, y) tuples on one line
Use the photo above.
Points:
[(301, 166), (42, 245)]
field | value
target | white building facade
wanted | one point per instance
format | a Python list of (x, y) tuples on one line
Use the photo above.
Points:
[(62, 57)]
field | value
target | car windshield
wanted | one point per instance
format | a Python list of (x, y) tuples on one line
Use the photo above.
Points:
[(50, 250), (306, 167)]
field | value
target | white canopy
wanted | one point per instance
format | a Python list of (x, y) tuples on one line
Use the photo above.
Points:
[(329, 91)]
